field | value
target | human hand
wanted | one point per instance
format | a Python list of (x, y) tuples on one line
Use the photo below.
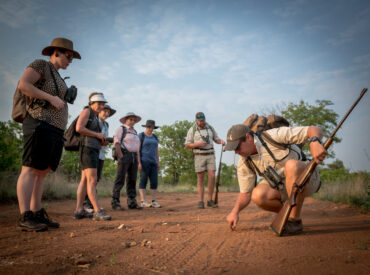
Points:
[(318, 151), (201, 143), (102, 137), (56, 102), (139, 166), (232, 220), (222, 142)]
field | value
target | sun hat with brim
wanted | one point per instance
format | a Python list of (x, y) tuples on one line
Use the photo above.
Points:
[(111, 110), (150, 123), (130, 114), (98, 98), (60, 43), (235, 133)]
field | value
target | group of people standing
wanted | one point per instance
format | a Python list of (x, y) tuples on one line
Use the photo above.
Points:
[(46, 121), (43, 130)]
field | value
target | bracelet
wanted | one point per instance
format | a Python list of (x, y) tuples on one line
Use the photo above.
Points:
[(314, 139)]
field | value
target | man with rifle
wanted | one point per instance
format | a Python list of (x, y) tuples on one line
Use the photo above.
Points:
[(200, 138), (273, 155)]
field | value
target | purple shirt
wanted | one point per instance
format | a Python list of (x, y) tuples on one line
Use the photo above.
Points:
[(131, 141)]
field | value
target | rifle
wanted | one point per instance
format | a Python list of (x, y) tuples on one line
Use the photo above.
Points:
[(218, 177), (282, 217)]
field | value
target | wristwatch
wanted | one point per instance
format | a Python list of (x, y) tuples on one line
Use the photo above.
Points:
[(314, 139)]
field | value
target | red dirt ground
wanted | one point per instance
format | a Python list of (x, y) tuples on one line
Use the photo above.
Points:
[(181, 239)]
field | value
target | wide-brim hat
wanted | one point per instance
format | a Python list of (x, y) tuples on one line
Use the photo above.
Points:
[(129, 114), (111, 110), (60, 43), (150, 123)]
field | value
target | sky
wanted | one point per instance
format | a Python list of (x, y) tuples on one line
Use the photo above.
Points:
[(166, 60)]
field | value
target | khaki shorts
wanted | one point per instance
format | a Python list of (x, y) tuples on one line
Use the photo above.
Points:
[(204, 163), (311, 187)]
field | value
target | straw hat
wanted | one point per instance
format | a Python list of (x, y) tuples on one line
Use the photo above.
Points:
[(60, 43)]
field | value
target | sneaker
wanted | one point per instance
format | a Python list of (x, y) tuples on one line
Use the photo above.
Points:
[(27, 222), (42, 217), (212, 204), (78, 215), (116, 205), (101, 215), (145, 204), (88, 206), (292, 227), (201, 205), (155, 204)]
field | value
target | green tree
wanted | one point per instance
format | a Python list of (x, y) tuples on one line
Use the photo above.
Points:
[(228, 174), (176, 161), (11, 146), (70, 164), (304, 114)]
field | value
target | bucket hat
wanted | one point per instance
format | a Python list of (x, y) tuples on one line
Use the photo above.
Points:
[(123, 119), (98, 98), (149, 123), (235, 133), (111, 110), (60, 43)]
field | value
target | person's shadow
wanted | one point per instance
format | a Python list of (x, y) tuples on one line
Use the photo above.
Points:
[(328, 228)]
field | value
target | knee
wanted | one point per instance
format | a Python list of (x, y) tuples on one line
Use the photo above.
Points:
[(259, 196), (291, 167)]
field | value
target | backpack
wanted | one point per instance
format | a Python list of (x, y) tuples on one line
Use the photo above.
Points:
[(114, 152), (73, 138), (21, 103), (142, 140)]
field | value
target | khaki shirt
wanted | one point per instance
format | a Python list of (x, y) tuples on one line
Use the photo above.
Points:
[(197, 136), (285, 135)]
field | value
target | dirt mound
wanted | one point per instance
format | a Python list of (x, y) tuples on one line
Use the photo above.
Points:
[(181, 239)]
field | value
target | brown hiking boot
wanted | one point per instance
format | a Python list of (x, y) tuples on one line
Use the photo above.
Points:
[(42, 217), (27, 222), (292, 227)]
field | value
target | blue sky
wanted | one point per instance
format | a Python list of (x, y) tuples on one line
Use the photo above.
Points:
[(167, 60)]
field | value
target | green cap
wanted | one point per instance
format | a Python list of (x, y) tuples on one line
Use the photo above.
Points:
[(235, 133), (200, 116)]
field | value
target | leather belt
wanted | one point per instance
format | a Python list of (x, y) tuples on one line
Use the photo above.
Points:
[(204, 154)]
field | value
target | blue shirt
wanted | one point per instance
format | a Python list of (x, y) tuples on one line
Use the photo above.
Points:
[(149, 149)]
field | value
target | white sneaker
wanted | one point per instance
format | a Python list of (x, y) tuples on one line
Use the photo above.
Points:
[(145, 204), (155, 204)]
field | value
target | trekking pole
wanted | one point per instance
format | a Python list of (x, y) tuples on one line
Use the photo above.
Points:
[(218, 176)]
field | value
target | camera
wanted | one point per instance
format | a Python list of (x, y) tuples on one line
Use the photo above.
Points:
[(70, 96), (109, 139), (206, 139)]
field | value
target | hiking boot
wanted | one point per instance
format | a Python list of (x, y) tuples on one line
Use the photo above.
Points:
[(292, 227), (132, 204), (78, 215), (42, 217), (201, 205), (101, 215), (155, 204), (145, 204), (212, 204), (116, 205), (27, 222)]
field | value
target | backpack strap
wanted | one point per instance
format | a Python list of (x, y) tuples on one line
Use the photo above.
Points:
[(141, 141), (272, 141)]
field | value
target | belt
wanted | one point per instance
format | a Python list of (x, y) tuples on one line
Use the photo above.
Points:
[(203, 154)]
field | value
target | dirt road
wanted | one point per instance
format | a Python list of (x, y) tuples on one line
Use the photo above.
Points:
[(181, 239)]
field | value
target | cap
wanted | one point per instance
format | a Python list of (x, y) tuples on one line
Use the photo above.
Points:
[(235, 133), (200, 116)]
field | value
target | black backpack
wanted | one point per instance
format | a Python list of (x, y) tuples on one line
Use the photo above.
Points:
[(73, 139), (114, 152)]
